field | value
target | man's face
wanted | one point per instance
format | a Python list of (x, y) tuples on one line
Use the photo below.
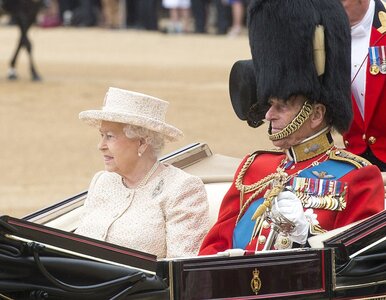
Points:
[(280, 114), (355, 9)]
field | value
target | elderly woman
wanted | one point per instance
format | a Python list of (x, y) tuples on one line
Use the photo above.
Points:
[(138, 202)]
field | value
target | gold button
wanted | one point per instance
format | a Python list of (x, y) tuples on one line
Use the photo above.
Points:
[(285, 242), (346, 142), (262, 239), (364, 137), (266, 225), (372, 140)]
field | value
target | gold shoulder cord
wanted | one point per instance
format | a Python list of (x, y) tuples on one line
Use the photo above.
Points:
[(257, 187)]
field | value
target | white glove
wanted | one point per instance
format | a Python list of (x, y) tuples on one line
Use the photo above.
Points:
[(232, 252), (290, 206)]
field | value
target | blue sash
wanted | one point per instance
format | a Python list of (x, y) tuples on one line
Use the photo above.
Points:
[(243, 230), (336, 168)]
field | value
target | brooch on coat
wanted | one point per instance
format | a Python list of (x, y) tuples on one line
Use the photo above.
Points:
[(158, 189)]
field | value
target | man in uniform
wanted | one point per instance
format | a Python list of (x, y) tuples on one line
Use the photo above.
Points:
[(299, 81), (367, 134)]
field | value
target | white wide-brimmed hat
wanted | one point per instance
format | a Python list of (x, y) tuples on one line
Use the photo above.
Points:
[(133, 108)]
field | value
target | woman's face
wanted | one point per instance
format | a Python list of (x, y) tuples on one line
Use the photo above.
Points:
[(120, 154)]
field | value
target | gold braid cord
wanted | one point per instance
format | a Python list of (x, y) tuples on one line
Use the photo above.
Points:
[(278, 178), (295, 124), (268, 198), (239, 184)]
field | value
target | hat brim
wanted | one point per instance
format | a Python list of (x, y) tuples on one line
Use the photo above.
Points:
[(242, 87), (243, 92), (94, 117)]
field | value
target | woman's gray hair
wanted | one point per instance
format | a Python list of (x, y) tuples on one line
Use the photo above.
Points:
[(154, 139)]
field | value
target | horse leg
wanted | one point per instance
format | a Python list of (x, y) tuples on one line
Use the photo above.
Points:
[(34, 74), (12, 74), (23, 42)]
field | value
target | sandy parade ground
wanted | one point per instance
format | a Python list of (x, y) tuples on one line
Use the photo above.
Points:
[(47, 154)]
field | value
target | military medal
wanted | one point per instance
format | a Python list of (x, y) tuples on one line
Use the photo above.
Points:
[(319, 193), (374, 60), (382, 69), (374, 69)]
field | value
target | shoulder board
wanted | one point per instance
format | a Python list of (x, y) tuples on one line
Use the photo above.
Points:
[(343, 155), (271, 151), (252, 156)]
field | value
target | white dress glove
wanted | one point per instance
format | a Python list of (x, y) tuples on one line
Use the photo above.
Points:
[(232, 252), (290, 206)]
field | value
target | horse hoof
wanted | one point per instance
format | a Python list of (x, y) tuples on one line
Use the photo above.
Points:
[(36, 78), (12, 77)]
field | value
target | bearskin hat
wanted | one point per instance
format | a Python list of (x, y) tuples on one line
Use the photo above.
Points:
[(300, 47)]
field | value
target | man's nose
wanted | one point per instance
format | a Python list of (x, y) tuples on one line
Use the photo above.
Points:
[(269, 114)]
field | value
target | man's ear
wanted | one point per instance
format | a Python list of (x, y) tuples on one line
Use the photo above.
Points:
[(318, 114)]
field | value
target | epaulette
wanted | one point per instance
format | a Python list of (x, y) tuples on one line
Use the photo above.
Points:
[(342, 155), (252, 157), (270, 151)]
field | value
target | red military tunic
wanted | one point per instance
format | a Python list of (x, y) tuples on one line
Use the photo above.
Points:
[(370, 131), (364, 197)]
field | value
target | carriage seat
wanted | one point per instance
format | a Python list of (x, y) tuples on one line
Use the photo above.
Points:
[(217, 172)]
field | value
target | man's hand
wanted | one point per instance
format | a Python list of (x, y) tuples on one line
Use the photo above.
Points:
[(290, 206)]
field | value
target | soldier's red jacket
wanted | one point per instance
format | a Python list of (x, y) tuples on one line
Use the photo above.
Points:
[(336, 187), (371, 131)]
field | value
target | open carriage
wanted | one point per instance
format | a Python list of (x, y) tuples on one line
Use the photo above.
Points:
[(41, 258)]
